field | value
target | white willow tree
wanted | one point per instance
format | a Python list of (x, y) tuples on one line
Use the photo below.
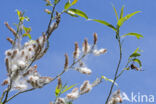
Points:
[(22, 74)]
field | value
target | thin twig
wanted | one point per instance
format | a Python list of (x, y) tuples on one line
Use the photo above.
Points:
[(117, 69), (19, 93), (3, 95)]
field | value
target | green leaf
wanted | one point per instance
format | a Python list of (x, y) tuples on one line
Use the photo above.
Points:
[(138, 61), (121, 13), (57, 91), (27, 29), (138, 36), (71, 14), (27, 18), (27, 34), (74, 2), (68, 88), (48, 3), (78, 12), (21, 18), (67, 5), (110, 80), (105, 23), (18, 12), (135, 55), (123, 19), (56, 1), (137, 50), (127, 68), (115, 12)]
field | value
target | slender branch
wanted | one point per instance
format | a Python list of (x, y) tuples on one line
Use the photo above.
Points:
[(19, 93), (123, 69), (51, 18), (3, 95), (7, 92), (119, 62)]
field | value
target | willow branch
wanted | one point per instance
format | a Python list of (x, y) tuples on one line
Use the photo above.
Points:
[(117, 69), (19, 93)]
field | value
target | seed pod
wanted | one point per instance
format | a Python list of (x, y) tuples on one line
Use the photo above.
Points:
[(66, 61), (59, 84), (76, 53), (11, 29), (95, 38), (10, 40)]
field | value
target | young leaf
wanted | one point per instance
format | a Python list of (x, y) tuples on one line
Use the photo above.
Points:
[(56, 1), (74, 2), (68, 88), (115, 12), (138, 61), (27, 18), (137, 50), (71, 14), (21, 18), (27, 34), (138, 36), (121, 13), (67, 5), (78, 12), (18, 12), (123, 19), (57, 91), (105, 23), (110, 80), (27, 29), (135, 55)]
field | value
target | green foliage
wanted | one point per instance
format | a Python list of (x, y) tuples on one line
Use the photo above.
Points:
[(135, 53), (48, 3), (68, 4), (138, 61), (138, 36), (63, 89), (134, 57), (27, 32), (110, 80), (56, 1), (27, 18), (68, 88), (115, 12), (105, 23), (71, 14), (76, 12), (121, 13), (123, 19), (21, 17)]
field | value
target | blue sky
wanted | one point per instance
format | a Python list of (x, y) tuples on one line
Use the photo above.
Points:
[(76, 29)]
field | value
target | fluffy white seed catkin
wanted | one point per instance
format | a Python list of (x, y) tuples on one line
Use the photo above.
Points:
[(21, 64), (96, 82), (84, 70), (73, 95), (60, 101), (115, 98), (99, 52), (21, 87), (85, 87)]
